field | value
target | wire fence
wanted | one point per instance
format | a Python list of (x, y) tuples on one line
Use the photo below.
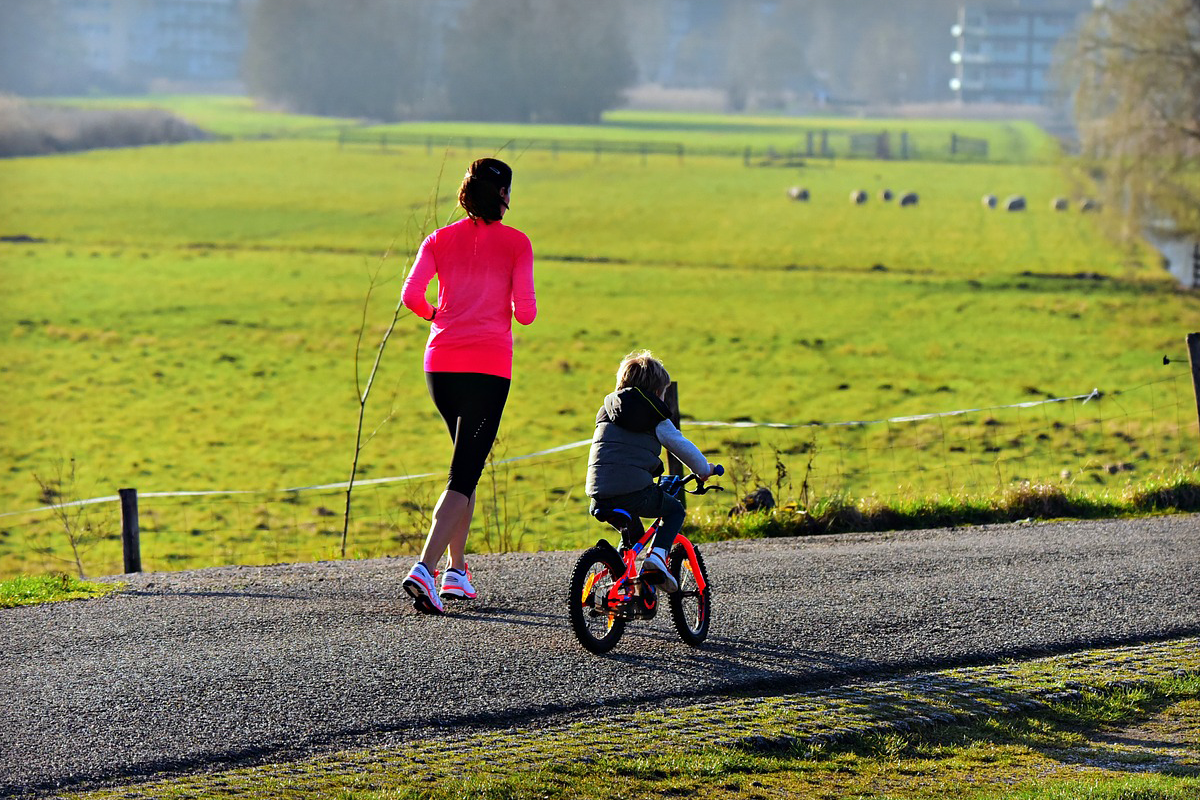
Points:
[(1094, 441)]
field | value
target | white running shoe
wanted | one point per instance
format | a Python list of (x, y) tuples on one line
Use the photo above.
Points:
[(654, 570), (420, 586), (456, 583)]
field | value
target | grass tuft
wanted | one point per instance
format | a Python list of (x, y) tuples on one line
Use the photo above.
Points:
[(28, 590)]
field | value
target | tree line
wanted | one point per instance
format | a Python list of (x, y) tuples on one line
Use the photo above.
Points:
[(546, 60), (504, 60), (569, 60)]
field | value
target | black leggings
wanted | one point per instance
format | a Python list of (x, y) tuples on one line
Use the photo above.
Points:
[(471, 403)]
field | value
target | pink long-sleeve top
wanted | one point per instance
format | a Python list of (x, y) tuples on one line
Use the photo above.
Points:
[(485, 279)]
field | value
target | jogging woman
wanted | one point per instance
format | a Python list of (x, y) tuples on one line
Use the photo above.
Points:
[(484, 272)]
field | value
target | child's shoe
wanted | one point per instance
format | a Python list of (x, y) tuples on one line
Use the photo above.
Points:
[(457, 583), (420, 586), (654, 570)]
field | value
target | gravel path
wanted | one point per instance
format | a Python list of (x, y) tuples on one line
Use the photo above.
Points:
[(237, 665)]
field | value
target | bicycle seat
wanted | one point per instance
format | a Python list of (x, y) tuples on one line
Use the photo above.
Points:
[(622, 520), (617, 517)]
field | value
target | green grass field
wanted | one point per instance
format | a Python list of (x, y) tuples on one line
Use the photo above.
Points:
[(238, 117), (188, 321)]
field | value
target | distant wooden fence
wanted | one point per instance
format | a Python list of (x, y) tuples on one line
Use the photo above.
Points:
[(817, 143)]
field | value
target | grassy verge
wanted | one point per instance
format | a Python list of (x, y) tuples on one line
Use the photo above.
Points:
[(1173, 492), (28, 590), (1121, 723)]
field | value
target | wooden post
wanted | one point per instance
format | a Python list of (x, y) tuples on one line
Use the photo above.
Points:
[(130, 530), (674, 465), (1193, 345)]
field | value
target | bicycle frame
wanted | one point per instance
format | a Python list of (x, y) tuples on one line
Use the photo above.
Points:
[(630, 554), (628, 586)]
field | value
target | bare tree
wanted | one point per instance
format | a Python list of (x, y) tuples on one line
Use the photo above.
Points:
[(1135, 73), (538, 61), (356, 58)]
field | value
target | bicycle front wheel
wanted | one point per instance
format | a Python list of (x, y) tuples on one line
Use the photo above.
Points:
[(691, 608), (595, 625)]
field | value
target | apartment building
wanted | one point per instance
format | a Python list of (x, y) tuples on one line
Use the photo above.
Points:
[(1005, 49), (146, 40)]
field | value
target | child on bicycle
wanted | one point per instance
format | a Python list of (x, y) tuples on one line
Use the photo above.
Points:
[(632, 427)]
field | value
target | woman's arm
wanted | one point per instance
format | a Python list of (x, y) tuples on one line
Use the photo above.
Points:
[(413, 292), (524, 298)]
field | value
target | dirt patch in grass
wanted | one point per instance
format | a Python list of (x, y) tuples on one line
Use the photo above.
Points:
[(1167, 742)]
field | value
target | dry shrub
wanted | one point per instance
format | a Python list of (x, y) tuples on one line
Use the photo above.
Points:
[(1179, 491), (33, 129), (1036, 501)]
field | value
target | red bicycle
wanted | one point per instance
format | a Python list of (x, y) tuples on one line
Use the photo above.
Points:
[(606, 591)]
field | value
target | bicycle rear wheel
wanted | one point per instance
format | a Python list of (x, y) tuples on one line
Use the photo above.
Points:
[(691, 608), (597, 628)]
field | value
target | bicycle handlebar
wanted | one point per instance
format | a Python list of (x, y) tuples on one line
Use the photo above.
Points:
[(718, 470)]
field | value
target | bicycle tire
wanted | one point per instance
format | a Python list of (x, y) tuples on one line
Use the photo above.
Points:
[(595, 571), (691, 609)]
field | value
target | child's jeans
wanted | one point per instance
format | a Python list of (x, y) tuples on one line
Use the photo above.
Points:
[(649, 503)]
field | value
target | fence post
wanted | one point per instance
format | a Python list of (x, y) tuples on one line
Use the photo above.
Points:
[(1193, 345), (674, 465), (130, 530)]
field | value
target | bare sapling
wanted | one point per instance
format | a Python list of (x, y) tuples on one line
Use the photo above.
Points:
[(500, 529), (78, 523), (363, 389)]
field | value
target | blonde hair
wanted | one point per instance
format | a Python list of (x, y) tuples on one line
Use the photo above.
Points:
[(642, 370)]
